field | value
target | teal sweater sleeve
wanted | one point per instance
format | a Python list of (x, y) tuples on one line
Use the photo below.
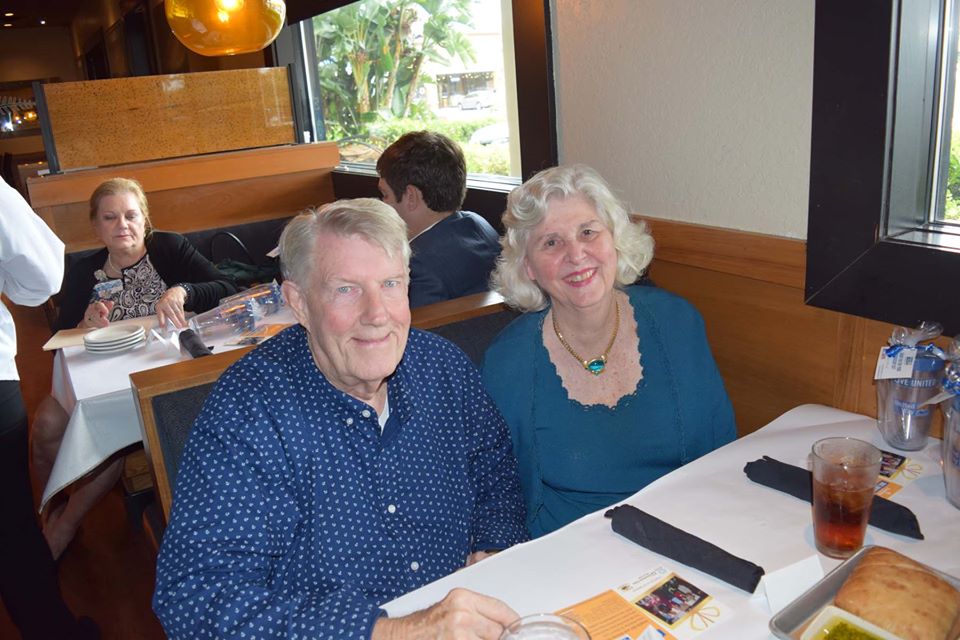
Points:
[(508, 362)]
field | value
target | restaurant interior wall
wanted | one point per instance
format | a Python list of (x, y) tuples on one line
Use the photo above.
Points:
[(56, 52), (92, 18), (30, 54), (695, 111)]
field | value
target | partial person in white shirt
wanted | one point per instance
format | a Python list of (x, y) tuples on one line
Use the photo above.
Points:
[(31, 269)]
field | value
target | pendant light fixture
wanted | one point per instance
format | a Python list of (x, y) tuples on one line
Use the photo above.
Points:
[(225, 27)]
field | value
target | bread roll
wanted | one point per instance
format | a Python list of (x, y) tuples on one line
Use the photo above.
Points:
[(902, 596)]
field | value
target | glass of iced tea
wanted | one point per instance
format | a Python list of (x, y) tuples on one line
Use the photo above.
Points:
[(845, 473)]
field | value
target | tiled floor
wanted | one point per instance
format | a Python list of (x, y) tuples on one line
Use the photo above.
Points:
[(108, 571)]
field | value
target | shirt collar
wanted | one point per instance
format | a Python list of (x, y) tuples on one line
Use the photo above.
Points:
[(431, 227)]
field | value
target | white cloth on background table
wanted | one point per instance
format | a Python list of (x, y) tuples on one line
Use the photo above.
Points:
[(95, 390)]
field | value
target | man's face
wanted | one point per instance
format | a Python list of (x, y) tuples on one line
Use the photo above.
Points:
[(388, 196), (356, 310)]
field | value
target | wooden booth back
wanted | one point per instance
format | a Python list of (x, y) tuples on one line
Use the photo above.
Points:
[(115, 121), (195, 193)]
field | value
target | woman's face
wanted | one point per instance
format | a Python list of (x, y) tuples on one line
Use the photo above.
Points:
[(119, 223), (571, 254)]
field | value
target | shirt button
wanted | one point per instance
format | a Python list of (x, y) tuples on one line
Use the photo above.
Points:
[(365, 413), (349, 421), (415, 565), (392, 508)]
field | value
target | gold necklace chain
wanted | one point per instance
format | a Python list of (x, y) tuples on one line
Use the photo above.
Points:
[(594, 365), (113, 266)]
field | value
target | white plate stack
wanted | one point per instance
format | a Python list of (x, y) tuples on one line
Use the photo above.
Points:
[(114, 339)]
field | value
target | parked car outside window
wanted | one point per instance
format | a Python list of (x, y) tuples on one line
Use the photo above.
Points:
[(478, 100), (497, 133)]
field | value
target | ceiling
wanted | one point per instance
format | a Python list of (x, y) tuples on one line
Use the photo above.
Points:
[(29, 13)]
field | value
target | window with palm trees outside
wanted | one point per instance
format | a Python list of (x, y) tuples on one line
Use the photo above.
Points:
[(379, 68)]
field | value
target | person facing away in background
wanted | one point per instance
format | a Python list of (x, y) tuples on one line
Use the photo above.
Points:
[(139, 272), (342, 463), (619, 384), (423, 176), (31, 268)]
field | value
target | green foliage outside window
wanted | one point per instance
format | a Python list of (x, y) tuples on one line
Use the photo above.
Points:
[(459, 130), (951, 208), (370, 58)]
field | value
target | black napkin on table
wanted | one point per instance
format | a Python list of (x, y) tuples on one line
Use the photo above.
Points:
[(798, 482), (665, 539), (192, 344)]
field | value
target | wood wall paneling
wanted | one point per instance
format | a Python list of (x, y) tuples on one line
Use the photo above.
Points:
[(123, 120), (188, 194), (176, 173), (767, 368), (741, 253)]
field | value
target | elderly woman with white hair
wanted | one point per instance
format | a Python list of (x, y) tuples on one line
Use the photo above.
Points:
[(605, 385)]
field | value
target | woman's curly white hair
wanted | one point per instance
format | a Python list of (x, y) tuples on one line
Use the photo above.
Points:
[(526, 208)]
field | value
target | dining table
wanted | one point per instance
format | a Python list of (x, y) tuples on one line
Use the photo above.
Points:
[(713, 499), (95, 390)]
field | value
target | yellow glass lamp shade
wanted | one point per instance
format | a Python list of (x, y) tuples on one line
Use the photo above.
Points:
[(225, 27)]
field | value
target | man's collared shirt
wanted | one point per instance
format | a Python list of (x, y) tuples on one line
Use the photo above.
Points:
[(295, 518)]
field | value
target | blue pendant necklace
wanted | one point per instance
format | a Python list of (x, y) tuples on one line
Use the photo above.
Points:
[(593, 365)]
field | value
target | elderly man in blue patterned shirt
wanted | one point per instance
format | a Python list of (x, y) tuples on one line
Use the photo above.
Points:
[(344, 462)]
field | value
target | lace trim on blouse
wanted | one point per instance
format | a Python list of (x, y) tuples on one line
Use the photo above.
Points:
[(622, 402)]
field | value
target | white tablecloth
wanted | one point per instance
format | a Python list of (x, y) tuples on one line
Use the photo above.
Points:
[(713, 499), (95, 390)]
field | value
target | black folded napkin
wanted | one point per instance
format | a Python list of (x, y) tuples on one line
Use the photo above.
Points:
[(192, 344), (798, 482), (667, 540)]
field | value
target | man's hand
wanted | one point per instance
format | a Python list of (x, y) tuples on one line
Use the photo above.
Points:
[(97, 314), (170, 307), (462, 614)]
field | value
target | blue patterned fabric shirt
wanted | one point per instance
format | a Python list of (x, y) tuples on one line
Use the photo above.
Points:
[(294, 517)]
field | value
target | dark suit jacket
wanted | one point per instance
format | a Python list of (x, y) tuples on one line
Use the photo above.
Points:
[(453, 258)]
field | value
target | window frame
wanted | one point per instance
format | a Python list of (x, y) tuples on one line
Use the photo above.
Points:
[(858, 260)]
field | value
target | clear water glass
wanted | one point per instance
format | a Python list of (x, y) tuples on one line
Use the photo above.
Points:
[(545, 626)]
